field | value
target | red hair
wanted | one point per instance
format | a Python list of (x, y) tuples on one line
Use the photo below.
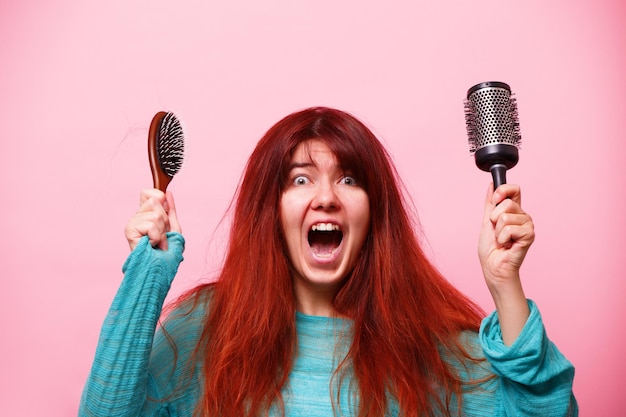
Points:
[(404, 311)]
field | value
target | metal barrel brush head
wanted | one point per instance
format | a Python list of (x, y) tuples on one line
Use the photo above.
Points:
[(166, 148), (493, 128)]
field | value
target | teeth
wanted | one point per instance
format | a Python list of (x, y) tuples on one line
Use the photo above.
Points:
[(324, 227)]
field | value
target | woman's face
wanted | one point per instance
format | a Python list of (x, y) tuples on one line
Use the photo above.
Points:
[(325, 218)]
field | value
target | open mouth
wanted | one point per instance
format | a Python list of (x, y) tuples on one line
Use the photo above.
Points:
[(324, 239)]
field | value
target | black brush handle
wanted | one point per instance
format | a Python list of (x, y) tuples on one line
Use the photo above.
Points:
[(498, 173), (497, 159)]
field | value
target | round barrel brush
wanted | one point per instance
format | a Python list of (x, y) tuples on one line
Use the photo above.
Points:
[(166, 148), (493, 128)]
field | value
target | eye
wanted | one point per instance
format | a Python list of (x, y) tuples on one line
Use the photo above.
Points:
[(348, 180), (300, 180)]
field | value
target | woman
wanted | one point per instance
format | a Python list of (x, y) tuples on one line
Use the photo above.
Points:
[(325, 303)]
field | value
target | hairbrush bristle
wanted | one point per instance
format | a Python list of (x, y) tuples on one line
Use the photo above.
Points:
[(170, 145), (491, 117)]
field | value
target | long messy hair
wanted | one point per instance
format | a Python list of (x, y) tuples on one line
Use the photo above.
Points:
[(404, 312)]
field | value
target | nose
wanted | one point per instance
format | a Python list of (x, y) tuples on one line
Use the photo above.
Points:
[(325, 196)]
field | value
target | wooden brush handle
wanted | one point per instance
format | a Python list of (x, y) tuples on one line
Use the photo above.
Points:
[(160, 179)]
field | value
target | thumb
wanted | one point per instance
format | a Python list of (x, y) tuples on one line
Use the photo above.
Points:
[(171, 212), (172, 220), (489, 204)]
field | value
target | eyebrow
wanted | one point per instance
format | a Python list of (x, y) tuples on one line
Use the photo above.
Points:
[(294, 165)]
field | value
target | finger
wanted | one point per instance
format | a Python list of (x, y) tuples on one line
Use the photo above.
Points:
[(155, 230), (172, 220), (162, 242), (149, 193), (137, 229), (520, 237), (489, 204), (507, 191), (157, 223), (150, 220), (174, 225), (150, 224), (505, 207), (512, 227)]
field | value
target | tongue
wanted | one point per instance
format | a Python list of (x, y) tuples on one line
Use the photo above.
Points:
[(323, 250), (324, 243)]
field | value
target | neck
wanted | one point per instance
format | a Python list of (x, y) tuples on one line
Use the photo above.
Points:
[(316, 307)]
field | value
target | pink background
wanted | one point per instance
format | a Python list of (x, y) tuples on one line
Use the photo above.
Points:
[(80, 82)]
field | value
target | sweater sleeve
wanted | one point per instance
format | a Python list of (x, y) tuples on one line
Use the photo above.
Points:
[(118, 384), (535, 378)]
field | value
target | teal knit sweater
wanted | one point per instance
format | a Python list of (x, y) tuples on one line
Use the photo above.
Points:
[(136, 372)]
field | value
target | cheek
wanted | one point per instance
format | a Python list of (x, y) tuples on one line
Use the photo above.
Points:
[(288, 217), (364, 210), (361, 210), (366, 218), (365, 227)]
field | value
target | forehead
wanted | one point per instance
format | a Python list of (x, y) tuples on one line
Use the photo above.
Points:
[(313, 151)]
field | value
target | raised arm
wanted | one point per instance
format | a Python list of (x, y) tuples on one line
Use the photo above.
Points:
[(535, 378), (506, 235), (118, 383)]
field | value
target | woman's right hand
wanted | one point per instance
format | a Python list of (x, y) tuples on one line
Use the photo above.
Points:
[(155, 217)]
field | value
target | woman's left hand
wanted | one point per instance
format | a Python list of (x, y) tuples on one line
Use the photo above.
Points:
[(506, 235)]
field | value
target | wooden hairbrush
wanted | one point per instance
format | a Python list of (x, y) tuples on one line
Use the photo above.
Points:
[(166, 148)]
